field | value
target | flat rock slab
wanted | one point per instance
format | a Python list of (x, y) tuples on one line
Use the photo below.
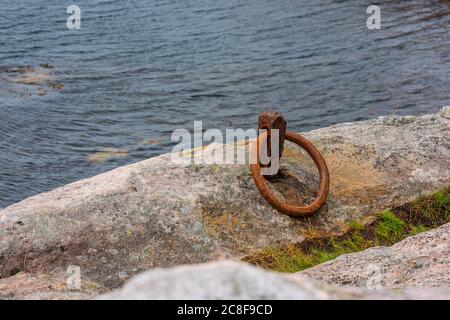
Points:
[(237, 281), (51, 286), (421, 261), (159, 213), (29, 80)]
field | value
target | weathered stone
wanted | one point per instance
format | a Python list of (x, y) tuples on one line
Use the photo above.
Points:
[(232, 280), (44, 287), (445, 112), (421, 261), (159, 213), (28, 80)]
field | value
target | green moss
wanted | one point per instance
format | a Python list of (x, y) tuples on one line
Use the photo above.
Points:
[(441, 202), (442, 199), (417, 229), (391, 226), (292, 259), (355, 225), (434, 210), (285, 259)]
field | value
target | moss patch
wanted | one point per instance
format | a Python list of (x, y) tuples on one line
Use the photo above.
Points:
[(391, 226)]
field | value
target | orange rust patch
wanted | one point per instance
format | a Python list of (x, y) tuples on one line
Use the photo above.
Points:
[(223, 225), (354, 179)]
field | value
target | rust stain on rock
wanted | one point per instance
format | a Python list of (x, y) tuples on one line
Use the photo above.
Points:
[(354, 178), (226, 227)]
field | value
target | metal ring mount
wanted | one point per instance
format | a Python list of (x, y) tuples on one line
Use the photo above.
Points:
[(281, 204)]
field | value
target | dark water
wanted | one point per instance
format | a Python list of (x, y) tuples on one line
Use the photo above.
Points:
[(139, 69)]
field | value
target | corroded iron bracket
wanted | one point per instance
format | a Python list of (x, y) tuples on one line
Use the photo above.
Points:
[(269, 121)]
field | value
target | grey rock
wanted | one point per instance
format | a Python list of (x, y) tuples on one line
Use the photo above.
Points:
[(51, 286), (233, 280), (445, 112), (28, 80), (421, 261), (157, 213)]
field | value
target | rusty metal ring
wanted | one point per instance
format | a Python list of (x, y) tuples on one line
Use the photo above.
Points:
[(280, 204)]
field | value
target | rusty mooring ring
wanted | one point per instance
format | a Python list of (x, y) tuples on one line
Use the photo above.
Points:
[(280, 204)]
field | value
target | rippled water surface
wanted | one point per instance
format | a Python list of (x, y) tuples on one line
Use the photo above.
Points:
[(139, 69)]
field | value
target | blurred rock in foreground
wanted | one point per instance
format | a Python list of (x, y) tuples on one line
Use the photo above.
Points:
[(233, 280)]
